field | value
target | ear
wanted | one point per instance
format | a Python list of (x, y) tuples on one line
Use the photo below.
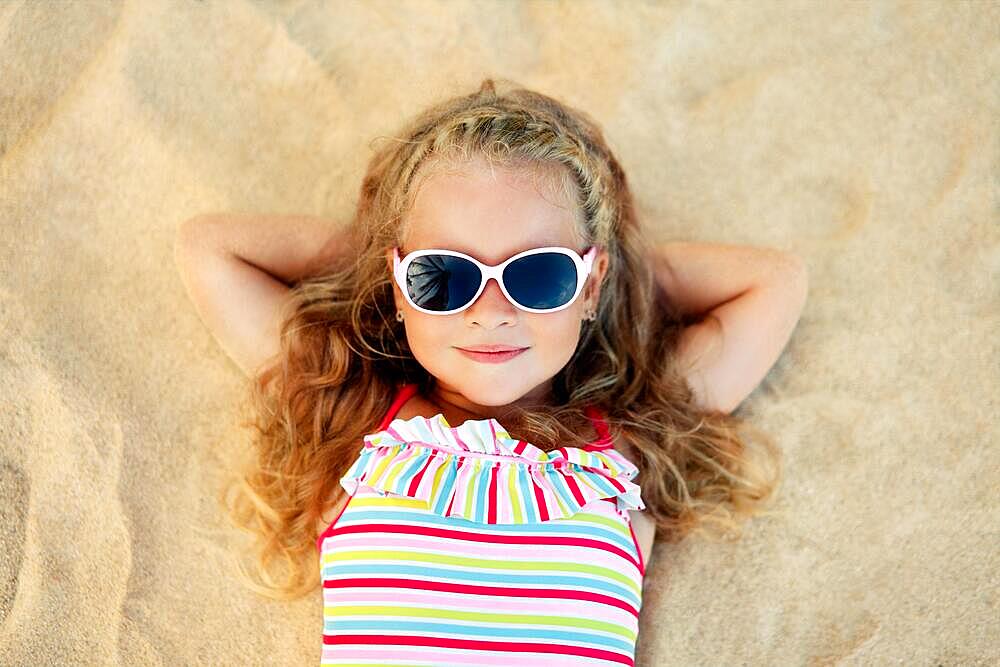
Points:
[(592, 289)]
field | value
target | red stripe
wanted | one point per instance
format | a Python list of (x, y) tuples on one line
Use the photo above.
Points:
[(519, 447), (477, 644), (415, 482), (575, 488), (543, 513), (638, 549), (615, 483), (491, 516), (483, 537), (329, 529), (475, 589)]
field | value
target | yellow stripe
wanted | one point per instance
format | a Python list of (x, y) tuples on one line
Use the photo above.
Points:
[(608, 462), (436, 485), (515, 497), (387, 458), (396, 469), (388, 501), (479, 616), (469, 489), (604, 521), (582, 477)]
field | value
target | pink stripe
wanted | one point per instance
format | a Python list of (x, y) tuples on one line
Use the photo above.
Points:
[(426, 483), (472, 602), (415, 482), (466, 589), (445, 657), (454, 433), (477, 645)]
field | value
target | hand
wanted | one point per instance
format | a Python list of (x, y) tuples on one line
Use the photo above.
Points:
[(754, 296)]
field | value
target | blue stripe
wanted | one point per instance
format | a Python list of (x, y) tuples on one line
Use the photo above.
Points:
[(484, 487), (404, 479), (559, 482), (446, 484), (378, 568), (422, 429), (598, 480), (528, 498), (360, 462)]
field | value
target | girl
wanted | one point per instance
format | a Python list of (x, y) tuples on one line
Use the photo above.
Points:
[(481, 400)]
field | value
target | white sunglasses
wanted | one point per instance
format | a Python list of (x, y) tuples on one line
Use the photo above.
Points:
[(444, 282)]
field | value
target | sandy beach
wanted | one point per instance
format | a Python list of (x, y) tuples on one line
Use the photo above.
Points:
[(861, 136)]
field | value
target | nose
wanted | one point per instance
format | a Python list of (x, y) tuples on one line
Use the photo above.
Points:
[(492, 308)]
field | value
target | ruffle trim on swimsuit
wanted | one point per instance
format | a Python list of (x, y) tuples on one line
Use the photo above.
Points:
[(476, 471)]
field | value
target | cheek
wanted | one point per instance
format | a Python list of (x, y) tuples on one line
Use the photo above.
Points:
[(557, 334), (552, 336), (424, 333)]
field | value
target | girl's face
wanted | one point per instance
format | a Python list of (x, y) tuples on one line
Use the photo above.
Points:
[(492, 214)]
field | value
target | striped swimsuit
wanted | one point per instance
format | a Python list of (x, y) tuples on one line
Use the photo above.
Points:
[(463, 546)]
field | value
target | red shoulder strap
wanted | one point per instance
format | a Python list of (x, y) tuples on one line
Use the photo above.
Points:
[(402, 395), (604, 440)]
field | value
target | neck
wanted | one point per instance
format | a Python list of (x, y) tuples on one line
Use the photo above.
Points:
[(451, 402)]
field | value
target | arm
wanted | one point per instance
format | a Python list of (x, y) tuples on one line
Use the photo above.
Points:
[(746, 302), (237, 270)]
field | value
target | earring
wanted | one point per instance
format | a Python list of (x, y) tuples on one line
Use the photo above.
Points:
[(399, 316), (590, 314)]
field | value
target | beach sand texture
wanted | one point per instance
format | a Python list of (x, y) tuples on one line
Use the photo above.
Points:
[(862, 136)]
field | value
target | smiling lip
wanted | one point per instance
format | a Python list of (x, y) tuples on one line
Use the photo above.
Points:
[(491, 354), (492, 348)]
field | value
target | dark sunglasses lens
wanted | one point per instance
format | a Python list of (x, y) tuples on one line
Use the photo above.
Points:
[(545, 280), (442, 282)]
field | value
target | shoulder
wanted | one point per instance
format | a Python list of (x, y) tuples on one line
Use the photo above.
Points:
[(623, 447), (416, 406), (642, 523)]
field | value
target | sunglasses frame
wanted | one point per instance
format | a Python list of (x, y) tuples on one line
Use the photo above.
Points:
[(584, 264)]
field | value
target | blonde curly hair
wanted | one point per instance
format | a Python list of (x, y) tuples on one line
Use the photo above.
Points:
[(343, 354)]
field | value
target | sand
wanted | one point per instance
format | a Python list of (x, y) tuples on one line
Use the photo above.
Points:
[(862, 136)]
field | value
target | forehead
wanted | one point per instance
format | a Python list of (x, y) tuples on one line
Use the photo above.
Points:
[(491, 213)]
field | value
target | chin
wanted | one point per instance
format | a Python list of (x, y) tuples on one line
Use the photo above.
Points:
[(492, 392)]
